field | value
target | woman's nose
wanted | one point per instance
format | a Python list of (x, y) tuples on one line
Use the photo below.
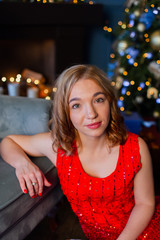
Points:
[(91, 112)]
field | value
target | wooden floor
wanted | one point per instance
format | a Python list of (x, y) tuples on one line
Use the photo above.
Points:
[(65, 227)]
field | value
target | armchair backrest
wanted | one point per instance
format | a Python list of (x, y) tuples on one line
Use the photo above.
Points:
[(22, 115)]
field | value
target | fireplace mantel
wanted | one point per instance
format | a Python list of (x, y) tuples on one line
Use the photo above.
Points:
[(67, 24)]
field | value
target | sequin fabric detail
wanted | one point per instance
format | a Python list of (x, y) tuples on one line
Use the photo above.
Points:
[(103, 205)]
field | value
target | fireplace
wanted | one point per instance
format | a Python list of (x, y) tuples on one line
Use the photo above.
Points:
[(45, 38)]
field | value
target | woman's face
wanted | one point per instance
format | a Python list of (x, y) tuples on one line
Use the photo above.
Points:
[(89, 108)]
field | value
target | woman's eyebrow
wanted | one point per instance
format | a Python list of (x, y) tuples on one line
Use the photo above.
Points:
[(98, 93), (94, 95), (74, 99)]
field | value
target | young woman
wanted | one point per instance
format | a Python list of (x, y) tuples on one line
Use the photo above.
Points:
[(104, 171)]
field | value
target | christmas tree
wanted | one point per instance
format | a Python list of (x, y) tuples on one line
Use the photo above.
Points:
[(134, 67)]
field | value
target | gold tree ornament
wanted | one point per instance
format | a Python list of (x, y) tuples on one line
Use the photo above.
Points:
[(155, 40)]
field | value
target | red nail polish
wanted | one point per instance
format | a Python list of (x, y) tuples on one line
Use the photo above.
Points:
[(40, 194), (34, 196), (25, 190)]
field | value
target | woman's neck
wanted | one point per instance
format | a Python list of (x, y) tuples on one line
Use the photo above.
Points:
[(92, 144)]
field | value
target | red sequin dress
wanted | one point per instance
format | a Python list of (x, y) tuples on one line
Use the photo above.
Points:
[(103, 205)]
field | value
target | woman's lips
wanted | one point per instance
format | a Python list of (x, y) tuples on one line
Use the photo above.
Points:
[(94, 125)]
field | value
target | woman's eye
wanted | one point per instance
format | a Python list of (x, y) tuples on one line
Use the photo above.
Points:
[(76, 106), (100, 100)]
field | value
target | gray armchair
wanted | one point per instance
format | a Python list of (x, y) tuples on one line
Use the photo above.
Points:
[(19, 213)]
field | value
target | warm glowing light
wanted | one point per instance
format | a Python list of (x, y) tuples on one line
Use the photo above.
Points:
[(19, 76), (139, 88), (47, 98), (112, 55), (105, 28), (123, 26), (4, 79), (36, 81), (113, 84), (11, 79), (75, 1), (121, 98), (28, 80), (135, 64), (18, 80), (125, 73), (152, 5), (54, 89), (122, 109), (145, 55), (109, 29), (146, 10), (147, 83), (132, 82), (46, 91), (128, 93), (146, 35), (127, 10), (158, 61), (91, 2), (147, 40), (120, 23), (128, 56)]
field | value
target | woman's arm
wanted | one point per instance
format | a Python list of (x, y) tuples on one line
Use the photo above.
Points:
[(144, 198), (15, 149)]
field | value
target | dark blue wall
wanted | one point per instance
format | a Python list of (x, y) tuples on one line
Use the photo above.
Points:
[(99, 47)]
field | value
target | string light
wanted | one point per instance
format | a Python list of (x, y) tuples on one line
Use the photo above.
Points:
[(135, 64), (11, 79), (109, 29), (128, 56), (122, 109), (121, 98), (47, 98), (125, 73), (36, 81), (132, 82), (54, 89), (147, 83), (112, 55), (139, 89), (123, 26), (120, 23), (146, 35), (127, 10), (28, 80)]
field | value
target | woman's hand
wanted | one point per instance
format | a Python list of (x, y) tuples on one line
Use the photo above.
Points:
[(31, 179)]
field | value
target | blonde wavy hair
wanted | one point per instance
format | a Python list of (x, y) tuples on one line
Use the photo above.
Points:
[(63, 131)]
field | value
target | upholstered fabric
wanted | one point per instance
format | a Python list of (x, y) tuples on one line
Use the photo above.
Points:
[(20, 115), (19, 213)]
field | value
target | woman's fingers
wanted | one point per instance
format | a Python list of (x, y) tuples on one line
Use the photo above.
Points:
[(22, 184), (32, 181)]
